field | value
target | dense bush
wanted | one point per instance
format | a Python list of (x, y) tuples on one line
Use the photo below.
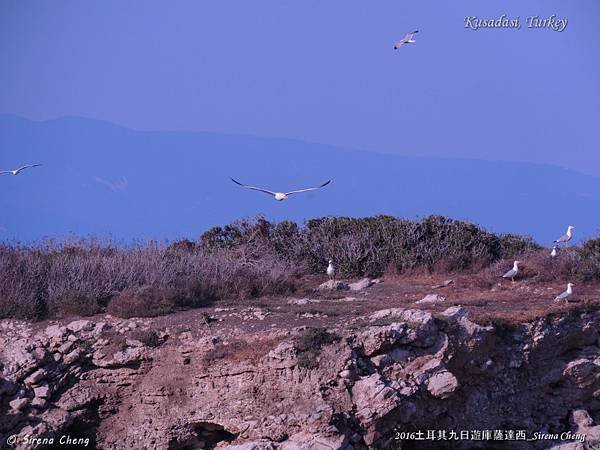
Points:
[(370, 246), (589, 267), (540, 266), (570, 264)]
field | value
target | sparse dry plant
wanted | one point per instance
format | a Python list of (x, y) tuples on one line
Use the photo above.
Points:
[(252, 258)]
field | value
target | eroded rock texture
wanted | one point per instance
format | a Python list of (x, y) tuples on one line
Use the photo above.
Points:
[(400, 370)]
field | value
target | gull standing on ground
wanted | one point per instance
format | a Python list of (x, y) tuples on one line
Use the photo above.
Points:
[(20, 169), (565, 295), (566, 237), (330, 270), (280, 196), (408, 39), (512, 273), (554, 251)]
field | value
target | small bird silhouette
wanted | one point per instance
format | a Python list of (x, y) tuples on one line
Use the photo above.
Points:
[(20, 169), (409, 38)]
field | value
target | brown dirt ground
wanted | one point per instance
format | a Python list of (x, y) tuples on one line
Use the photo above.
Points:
[(501, 302), (504, 301)]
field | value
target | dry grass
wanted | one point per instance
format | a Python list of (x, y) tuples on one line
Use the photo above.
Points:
[(53, 280), (249, 259)]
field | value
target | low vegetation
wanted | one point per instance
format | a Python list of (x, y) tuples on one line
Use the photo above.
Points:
[(309, 345), (252, 258), (149, 338), (51, 280)]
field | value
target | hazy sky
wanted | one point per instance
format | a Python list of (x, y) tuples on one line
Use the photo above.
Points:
[(322, 71)]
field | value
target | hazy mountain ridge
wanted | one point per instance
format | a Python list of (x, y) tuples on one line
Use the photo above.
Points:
[(156, 197)]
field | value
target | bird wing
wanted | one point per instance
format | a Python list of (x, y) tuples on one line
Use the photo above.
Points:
[(563, 295), (510, 273), (5, 171), (254, 188), (399, 43), (27, 166), (563, 238), (308, 189)]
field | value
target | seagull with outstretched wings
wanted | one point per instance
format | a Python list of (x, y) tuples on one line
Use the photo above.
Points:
[(19, 170), (408, 39), (280, 196)]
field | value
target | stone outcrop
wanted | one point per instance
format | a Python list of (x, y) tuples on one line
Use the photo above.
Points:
[(431, 298), (398, 370), (334, 285)]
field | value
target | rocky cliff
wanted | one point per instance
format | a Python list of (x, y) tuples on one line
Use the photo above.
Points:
[(400, 378)]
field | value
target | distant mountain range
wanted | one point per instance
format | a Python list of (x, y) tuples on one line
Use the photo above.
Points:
[(105, 180)]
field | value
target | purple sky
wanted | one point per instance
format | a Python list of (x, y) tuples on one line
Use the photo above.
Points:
[(317, 71)]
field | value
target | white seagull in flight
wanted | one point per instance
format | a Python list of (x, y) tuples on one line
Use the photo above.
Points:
[(512, 273), (408, 39), (19, 170), (565, 295), (566, 237), (280, 196)]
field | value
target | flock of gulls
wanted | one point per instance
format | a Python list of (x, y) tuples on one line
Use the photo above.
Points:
[(409, 38), (564, 239)]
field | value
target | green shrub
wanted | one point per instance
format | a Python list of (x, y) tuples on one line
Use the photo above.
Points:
[(309, 345)]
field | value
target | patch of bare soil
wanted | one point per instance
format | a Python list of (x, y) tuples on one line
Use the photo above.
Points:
[(505, 301)]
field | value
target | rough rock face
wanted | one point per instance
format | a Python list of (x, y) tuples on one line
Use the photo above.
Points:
[(402, 370)]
